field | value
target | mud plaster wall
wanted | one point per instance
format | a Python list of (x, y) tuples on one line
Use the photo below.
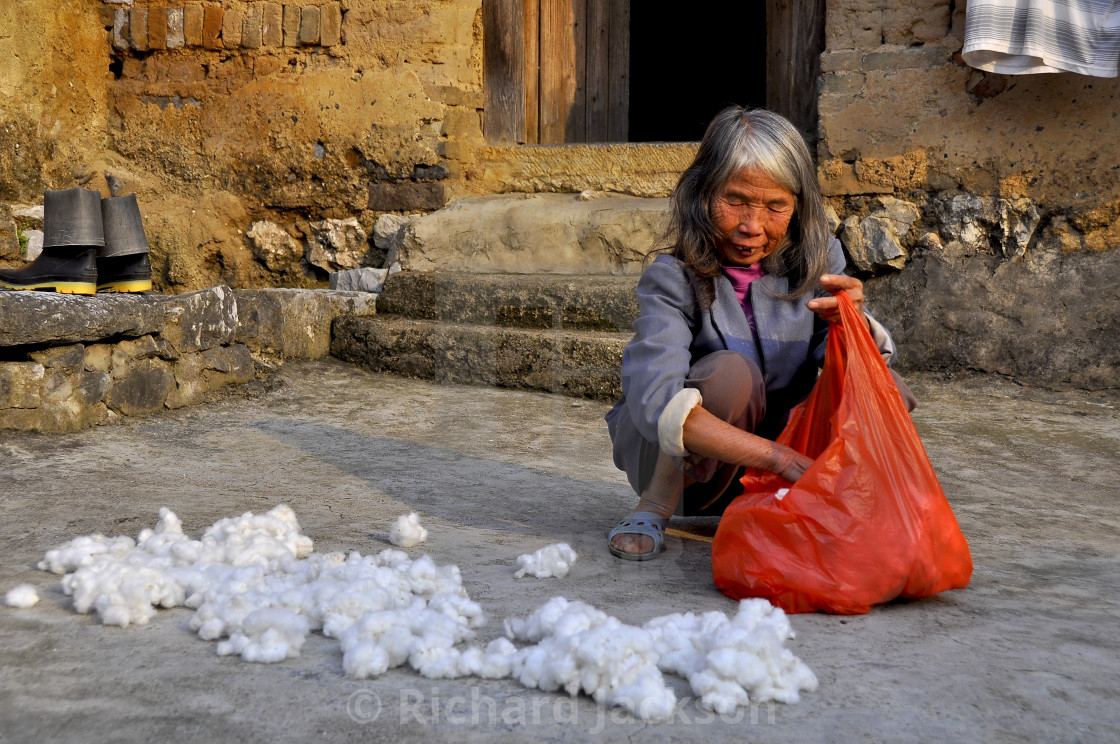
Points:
[(228, 120), (984, 209), (986, 186)]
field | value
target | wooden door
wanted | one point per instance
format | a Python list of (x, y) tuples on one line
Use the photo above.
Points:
[(794, 43), (556, 70)]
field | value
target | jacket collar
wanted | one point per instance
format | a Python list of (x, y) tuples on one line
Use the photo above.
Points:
[(729, 320)]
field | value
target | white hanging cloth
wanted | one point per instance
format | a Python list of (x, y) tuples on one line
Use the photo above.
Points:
[(1017, 37)]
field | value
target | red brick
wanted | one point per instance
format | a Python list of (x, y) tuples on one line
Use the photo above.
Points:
[(138, 25), (407, 197), (157, 28), (212, 27)]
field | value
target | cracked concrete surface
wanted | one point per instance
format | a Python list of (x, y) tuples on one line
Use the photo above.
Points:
[(1028, 652)]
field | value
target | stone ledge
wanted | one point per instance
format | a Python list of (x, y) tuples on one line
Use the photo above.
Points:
[(69, 362), (295, 323), (582, 364)]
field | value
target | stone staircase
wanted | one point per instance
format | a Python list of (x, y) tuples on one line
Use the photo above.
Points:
[(558, 333)]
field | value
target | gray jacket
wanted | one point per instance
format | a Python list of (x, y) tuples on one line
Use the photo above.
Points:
[(672, 333)]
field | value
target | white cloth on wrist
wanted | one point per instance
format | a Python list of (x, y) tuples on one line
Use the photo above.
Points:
[(670, 424)]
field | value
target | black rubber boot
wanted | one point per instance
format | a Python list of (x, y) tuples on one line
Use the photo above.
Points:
[(68, 269), (131, 273), (123, 265)]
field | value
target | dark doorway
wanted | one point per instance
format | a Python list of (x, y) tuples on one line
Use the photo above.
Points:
[(688, 61)]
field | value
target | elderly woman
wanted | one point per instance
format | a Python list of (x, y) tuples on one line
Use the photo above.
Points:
[(732, 328)]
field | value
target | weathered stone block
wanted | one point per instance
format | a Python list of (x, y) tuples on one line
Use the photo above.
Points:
[(549, 233), (99, 357), (330, 25), (71, 402), (66, 358), (251, 27), (843, 83), (293, 17), (212, 23), (157, 28), (138, 28), (273, 246), (121, 31), (199, 373), (407, 197), (47, 318), (295, 323), (141, 388), (20, 384), (336, 245), (575, 302), (848, 60), (201, 320), (985, 313), (872, 244), (388, 234), (145, 347), (272, 24), (34, 244), (358, 280), (967, 220), (309, 25), (898, 59), (232, 23), (175, 34), (1018, 219), (569, 362), (192, 24)]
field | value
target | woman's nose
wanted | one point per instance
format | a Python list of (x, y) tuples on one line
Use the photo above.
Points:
[(751, 221)]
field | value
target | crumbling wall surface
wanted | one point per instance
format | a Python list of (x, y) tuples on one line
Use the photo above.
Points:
[(53, 102), (265, 138), (256, 123), (985, 207)]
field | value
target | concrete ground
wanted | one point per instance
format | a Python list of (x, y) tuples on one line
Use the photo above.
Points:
[(1029, 652)]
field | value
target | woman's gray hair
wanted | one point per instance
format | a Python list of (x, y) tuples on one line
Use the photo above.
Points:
[(741, 138)]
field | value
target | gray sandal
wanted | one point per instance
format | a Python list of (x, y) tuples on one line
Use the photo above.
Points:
[(640, 523)]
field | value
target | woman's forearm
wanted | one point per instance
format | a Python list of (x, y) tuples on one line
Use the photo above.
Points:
[(709, 436)]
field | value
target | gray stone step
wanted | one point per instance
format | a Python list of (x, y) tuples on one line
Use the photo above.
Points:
[(589, 302), (571, 362)]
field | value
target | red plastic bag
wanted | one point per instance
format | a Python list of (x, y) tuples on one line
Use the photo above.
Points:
[(867, 522)]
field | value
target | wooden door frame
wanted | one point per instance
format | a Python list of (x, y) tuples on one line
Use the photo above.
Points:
[(512, 38), (794, 43)]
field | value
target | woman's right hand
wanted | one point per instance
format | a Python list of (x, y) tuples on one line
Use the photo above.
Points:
[(789, 463), (709, 436)]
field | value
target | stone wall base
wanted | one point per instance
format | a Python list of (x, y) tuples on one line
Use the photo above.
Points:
[(68, 363)]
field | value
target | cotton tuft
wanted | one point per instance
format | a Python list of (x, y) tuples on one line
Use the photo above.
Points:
[(22, 597), (551, 560), (257, 588), (407, 532)]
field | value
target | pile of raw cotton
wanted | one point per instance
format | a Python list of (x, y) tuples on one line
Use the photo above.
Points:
[(256, 586)]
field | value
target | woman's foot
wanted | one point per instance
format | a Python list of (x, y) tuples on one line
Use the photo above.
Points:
[(639, 536)]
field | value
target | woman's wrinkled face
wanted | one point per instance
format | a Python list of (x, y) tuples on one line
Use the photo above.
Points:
[(752, 213)]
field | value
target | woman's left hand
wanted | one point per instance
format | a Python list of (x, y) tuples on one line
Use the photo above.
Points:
[(828, 308)]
